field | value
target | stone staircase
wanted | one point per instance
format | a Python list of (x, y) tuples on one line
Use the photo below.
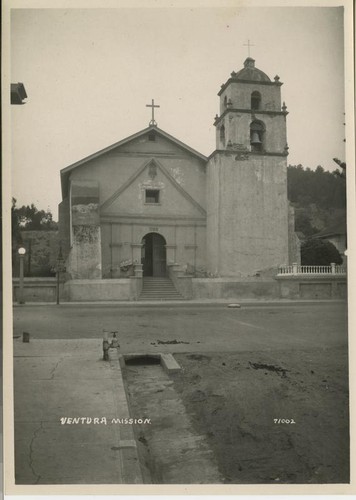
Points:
[(159, 289)]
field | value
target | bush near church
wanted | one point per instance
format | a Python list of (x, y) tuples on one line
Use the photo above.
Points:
[(315, 252)]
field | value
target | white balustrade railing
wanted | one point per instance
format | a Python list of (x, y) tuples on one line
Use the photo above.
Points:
[(340, 270), (295, 269)]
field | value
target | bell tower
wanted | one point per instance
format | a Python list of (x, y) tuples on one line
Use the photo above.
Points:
[(247, 207), (251, 115)]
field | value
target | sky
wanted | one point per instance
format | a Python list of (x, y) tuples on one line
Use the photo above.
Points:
[(89, 74)]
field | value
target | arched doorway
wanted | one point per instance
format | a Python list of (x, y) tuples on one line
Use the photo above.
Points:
[(154, 259)]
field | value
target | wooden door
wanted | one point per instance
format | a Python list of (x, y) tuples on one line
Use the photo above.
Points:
[(158, 255)]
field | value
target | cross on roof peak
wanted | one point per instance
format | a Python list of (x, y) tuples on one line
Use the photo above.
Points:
[(248, 45), (153, 122)]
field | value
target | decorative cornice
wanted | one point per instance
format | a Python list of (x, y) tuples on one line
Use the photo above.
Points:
[(149, 219), (232, 152), (266, 153), (129, 154), (249, 112), (253, 82)]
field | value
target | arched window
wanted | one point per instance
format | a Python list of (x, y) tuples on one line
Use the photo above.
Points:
[(255, 100), (225, 102), (222, 135), (257, 132)]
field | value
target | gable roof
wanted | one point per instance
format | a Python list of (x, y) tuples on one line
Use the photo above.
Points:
[(66, 171)]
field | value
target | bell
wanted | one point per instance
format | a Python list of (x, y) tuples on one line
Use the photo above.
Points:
[(255, 138)]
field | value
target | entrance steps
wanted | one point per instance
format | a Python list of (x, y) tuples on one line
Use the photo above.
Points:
[(159, 289)]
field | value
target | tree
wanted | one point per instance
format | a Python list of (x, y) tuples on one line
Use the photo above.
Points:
[(303, 224), (28, 218), (324, 189), (317, 252), (15, 222)]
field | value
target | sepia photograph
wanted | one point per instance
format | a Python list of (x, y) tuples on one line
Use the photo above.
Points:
[(178, 197)]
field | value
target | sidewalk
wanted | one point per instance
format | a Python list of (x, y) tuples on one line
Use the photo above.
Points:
[(68, 378)]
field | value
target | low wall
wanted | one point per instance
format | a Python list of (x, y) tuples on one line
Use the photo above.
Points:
[(230, 288), (136, 284), (37, 289), (302, 287), (328, 286), (182, 282), (100, 290), (307, 287), (183, 285), (41, 253)]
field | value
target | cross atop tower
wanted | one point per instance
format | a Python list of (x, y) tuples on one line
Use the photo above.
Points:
[(249, 45), (153, 106)]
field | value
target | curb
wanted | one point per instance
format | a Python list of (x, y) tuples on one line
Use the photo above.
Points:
[(130, 461)]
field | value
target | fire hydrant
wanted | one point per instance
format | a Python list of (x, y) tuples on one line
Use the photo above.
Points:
[(113, 344)]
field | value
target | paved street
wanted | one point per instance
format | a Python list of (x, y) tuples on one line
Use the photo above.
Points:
[(201, 328)]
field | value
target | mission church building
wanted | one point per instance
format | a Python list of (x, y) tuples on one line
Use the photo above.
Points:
[(150, 209)]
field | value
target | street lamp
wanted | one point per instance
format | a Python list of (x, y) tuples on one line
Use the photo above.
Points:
[(21, 252)]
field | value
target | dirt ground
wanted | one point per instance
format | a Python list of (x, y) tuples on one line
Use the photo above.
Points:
[(234, 398), (170, 450)]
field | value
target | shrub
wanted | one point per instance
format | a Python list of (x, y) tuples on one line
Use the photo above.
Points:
[(316, 252)]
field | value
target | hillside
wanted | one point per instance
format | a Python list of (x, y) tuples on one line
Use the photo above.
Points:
[(318, 196)]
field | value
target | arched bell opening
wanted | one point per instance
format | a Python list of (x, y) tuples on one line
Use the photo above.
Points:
[(255, 100), (257, 135), (153, 256), (222, 135)]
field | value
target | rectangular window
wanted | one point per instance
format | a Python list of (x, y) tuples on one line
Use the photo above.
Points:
[(152, 196), (152, 136)]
